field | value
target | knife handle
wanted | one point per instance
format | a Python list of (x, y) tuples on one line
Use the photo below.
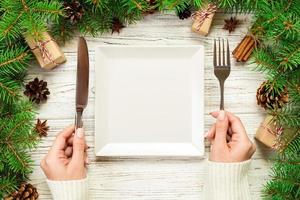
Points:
[(78, 120)]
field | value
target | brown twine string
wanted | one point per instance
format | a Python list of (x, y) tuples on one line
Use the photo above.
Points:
[(201, 15), (41, 45), (277, 132)]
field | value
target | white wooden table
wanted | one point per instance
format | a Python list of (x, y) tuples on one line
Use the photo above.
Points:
[(153, 178)]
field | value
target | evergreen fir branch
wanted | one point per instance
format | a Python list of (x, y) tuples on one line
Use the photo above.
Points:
[(63, 31), (9, 90), (50, 10), (8, 183), (16, 139), (8, 28), (13, 60), (289, 58), (18, 161)]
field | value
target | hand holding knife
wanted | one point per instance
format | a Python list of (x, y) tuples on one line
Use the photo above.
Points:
[(82, 83)]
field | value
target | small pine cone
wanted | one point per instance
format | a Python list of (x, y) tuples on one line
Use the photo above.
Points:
[(37, 90), (184, 13), (269, 98), (26, 191), (74, 11)]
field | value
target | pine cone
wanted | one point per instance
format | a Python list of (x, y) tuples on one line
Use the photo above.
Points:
[(37, 90), (185, 13), (74, 11), (269, 98), (26, 191)]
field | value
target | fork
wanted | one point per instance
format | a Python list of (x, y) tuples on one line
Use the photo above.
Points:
[(221, 66)]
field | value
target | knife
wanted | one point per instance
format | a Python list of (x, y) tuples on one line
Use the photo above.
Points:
[(82, 83)]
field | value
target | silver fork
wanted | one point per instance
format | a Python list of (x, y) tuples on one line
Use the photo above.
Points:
[(221, 66)]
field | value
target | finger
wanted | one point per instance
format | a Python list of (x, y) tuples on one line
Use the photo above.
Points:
[(78, 148), (60, 141), (221, 129), (211, 133), (237, 126), (70, 140), (86, 159), (69, 151)]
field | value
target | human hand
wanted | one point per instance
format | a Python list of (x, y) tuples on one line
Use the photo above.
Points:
[(67, 157), (229, 140)]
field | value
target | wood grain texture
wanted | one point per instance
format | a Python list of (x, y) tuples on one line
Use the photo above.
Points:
[(154, 178)]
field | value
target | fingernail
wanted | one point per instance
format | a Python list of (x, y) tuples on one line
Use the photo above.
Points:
[(79, 133), (221, 115), (87, 161)]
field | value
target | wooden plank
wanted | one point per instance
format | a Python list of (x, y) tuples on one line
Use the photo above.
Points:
[(153, 178)]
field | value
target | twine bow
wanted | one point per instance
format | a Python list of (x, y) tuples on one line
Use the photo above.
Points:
[(46, 55), (201, 15)]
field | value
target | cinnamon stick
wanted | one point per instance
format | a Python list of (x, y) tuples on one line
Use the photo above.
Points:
[(238, 46), (249, 46), (242, 47), (245, 58)]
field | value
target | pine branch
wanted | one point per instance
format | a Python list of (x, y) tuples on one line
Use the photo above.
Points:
[(9, 90), (13, 60)]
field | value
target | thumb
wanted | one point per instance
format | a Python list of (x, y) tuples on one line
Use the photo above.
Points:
[(78, 147), (221, 129)]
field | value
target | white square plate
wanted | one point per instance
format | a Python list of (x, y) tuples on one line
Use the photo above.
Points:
[(149, 101)]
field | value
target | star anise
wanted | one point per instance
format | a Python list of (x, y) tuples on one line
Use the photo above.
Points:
[(116, 25), (230, 24), (41, 128), (37, 90)]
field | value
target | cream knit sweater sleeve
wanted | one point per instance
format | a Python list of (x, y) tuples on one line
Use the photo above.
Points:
[(69, 190), (226, 181)]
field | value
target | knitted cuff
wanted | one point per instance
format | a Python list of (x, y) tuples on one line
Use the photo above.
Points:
[(69, 190), (227, 181)]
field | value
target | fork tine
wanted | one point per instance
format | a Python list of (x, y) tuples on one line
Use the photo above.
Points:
[(228, 54), (223, 51), (215, 53), (219, 52)]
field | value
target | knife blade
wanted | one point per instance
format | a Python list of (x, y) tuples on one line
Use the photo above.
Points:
[(82, 82)]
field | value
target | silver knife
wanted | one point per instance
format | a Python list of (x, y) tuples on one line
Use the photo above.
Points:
[(82, 83)]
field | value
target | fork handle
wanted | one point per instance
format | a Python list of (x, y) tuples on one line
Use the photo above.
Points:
[(222, 95)]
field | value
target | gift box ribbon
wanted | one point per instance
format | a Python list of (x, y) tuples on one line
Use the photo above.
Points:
[(201, 15), (41, 45)]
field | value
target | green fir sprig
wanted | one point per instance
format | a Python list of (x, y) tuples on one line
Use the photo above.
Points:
[(275, 23)]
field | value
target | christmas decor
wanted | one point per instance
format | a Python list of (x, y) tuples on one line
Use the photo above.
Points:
[(269, 97), (41, 128), (74, 11), (26, 191), (46, 51), (203, 19), (183, 11), (116, 26), (267, 133), (275, 24), (245, 48), (230, 24), (16, 139), (37, 90)]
